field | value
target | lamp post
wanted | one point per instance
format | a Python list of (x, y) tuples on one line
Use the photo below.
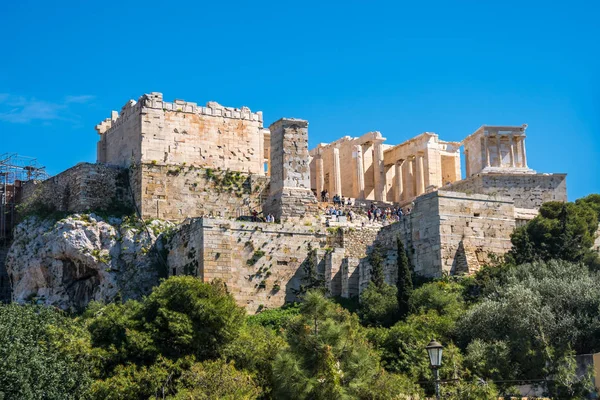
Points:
[(434, 350)]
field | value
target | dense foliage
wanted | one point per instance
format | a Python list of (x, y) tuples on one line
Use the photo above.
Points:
[(43, 354), (522, 320), (563, 231)]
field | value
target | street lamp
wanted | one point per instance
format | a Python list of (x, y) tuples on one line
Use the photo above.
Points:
[(434, 350)]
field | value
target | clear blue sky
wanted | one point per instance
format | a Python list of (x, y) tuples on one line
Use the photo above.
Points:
[(347, 67)]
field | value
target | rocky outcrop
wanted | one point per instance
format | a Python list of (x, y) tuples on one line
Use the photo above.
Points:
[(83, 257)]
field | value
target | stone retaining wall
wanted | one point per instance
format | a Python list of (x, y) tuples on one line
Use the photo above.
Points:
[(263, 265), (84, 187), (177, 192), (526, 190), (5, 291)]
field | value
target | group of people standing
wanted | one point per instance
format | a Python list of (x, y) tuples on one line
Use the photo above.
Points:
[(339, 212), (337, 199), (270, 218), (389, 214)]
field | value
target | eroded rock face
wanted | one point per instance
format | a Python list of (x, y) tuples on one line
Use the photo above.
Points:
[(75, 260)]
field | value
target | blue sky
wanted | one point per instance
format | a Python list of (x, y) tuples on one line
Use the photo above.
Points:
[(347, 67)]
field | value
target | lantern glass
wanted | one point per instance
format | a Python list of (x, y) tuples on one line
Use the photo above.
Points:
[(434, 350)]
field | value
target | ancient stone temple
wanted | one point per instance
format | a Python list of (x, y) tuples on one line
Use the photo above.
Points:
[(374, 170), (496, 164), (496, 149)]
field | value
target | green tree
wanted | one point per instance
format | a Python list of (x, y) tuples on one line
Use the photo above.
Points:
[(185, 316), (118, 334), (216, 380), (44, 354), (376, 261), (254, 351), (437, 306), (592, 201), (540, 311), (328, 356), (379, 305), (141, 382), (276, 318), (563, 231), (469, 389), (404, 283), (567, 383), (145, 346)]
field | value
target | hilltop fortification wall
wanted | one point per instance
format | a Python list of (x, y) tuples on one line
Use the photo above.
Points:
[(528, 191), (84, 187), (175, 192), (152, 130)]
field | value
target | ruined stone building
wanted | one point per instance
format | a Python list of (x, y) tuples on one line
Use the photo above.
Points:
[(205, 166), (374, 170)]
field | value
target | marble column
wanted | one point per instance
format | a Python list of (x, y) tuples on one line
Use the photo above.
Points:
[(398, 186), (337, 175), (498, 150), (511, 144), (523, 153), (409, 189), (360, 173), (420, 175), (320, 177), (487, 151), (378, 171)]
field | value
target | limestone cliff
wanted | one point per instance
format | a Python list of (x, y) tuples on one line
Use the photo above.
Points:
[(83, 257)]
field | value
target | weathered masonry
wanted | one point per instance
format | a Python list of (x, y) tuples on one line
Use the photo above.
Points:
[(499, 149), (377, 171), (154, 131)]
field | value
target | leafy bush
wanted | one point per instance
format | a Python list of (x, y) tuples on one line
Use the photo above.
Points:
[(44, 353), (379, 305)]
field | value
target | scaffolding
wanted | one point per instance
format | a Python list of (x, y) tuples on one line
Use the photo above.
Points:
[(14, 171)]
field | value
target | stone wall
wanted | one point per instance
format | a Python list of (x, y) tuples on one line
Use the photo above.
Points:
[(290, 197), (420, 234), (450, 232), (155, 131), (121, 144), (5, 292), (81, 188), (528, 191), (177, 192), (262, 264), (472, 227)]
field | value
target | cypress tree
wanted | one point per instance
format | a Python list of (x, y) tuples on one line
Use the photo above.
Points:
[(376, 261), (404, 283)]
